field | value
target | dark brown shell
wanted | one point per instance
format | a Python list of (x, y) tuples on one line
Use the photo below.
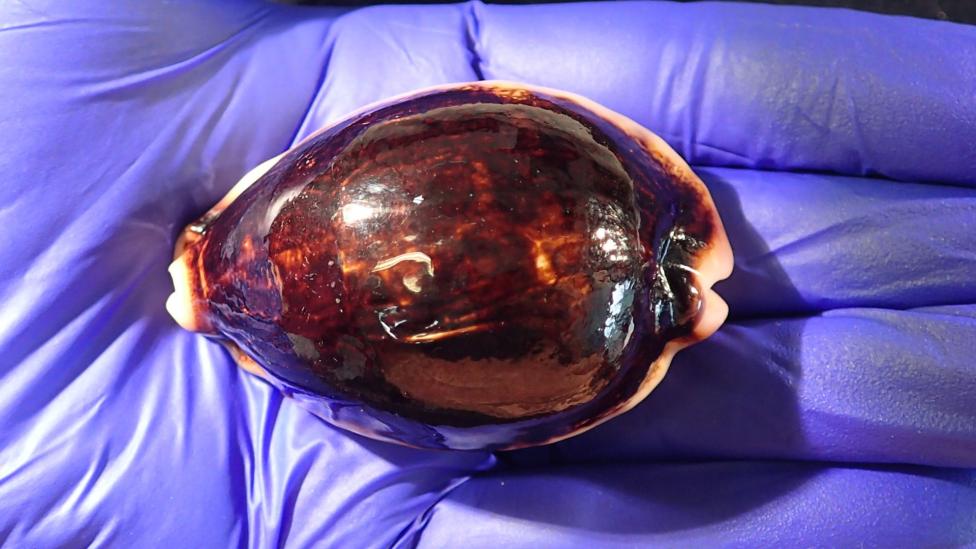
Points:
[(478, 265)]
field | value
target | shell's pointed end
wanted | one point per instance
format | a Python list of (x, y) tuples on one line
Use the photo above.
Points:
[(185, 305), (715, 266)]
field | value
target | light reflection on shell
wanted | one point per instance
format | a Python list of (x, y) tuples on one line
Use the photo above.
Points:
[(475, 265)]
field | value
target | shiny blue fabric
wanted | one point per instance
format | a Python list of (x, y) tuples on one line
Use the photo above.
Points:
[(836, 408)]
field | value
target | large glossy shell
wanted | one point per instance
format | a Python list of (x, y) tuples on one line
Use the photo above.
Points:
[(484, 265)]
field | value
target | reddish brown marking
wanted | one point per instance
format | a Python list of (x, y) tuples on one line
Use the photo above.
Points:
[(467, 257)]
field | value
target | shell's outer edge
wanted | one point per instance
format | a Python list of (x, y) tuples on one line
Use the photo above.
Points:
[(655, 374), (187, 304), (179, 304), (712, 263), (245, 183), (251, 366), (245, 361)]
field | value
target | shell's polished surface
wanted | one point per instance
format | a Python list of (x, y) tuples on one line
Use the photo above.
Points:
[(480, 265)]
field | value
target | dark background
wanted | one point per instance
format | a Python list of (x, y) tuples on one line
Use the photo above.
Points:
[(962, 11)]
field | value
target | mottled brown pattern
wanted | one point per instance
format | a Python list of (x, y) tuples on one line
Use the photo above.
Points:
[(467, 257)]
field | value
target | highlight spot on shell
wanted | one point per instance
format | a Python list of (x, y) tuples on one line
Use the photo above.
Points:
[(471, 266)]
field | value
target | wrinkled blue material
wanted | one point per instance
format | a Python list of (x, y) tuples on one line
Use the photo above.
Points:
[(837, 407)]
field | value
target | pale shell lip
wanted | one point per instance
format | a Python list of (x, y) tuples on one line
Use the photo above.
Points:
[(712, 263), (179, 304)]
